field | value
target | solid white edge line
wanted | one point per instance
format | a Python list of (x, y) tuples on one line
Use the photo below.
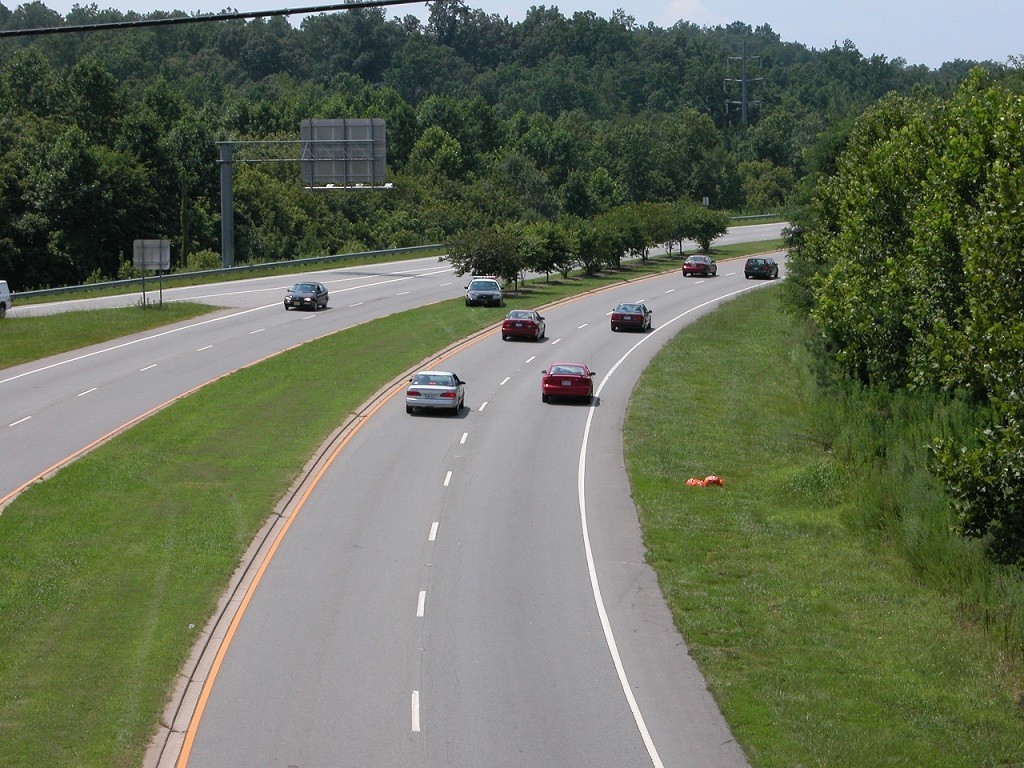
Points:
[(415, 711), (581, 478)]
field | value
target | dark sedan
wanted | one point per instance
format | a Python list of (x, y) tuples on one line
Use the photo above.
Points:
[(574, 380), (635, 316), (702, 266), (761, 266), (306, 296), (523, 324)]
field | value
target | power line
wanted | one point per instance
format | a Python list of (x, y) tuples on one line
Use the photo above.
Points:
[(204, 18)]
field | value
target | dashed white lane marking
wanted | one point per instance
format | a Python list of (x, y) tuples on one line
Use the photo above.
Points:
[(433, 531), (147, 368), (483, 405), (531, 358), (203, 349), (415, 711), (258, 330), (87, 392), (447, 478), (504, 381), (403, 293), (464, 436), (581, 327), (421, 604), (555, 342), (357, 304), (19, 421)]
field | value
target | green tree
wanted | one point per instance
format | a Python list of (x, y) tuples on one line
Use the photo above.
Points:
[(486, 251)]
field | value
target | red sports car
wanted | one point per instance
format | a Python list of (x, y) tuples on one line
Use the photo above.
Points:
[(567, 380), (523, 324)]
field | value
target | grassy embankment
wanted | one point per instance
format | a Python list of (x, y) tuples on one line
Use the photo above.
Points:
[(822, 651)]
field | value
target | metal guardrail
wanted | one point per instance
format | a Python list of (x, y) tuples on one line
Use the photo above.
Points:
[(137, 281)]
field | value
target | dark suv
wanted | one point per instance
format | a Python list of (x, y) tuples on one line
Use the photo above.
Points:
[(761, 266)]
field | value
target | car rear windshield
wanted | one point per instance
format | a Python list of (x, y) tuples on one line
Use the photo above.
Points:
[(432, 378), (628, 308), (566, 370)]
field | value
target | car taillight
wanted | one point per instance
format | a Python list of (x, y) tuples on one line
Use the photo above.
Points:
[(448, 395), (413, 393)]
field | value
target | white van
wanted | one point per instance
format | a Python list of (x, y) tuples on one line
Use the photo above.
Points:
[(5, 298)]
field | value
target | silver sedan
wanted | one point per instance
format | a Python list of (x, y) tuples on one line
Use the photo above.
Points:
[(433, 390)]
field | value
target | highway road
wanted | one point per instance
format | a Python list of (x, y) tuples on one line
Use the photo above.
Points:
[(457, 592), (451, 591)]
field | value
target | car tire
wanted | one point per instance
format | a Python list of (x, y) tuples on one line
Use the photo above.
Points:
[(286, 307), (408, 409), (614, 329), (504, 337), (545, 398)]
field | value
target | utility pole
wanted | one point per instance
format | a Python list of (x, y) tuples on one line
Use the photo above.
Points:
[(744, 81)]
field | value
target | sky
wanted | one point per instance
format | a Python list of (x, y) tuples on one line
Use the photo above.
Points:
[(928, 32)]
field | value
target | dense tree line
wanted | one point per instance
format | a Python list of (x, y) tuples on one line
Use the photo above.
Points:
[(110, 136), (911, 268)]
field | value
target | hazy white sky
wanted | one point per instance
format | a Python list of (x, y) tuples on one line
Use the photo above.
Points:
[(920, 31)]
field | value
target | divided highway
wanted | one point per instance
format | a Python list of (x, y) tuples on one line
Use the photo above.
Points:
[(451, 592)]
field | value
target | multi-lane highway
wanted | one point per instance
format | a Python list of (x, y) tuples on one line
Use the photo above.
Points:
[(446, 591)]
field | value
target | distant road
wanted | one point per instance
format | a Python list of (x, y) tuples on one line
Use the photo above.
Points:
[(55, 408)]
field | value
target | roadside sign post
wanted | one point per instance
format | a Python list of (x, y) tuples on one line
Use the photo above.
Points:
[(154, 256)]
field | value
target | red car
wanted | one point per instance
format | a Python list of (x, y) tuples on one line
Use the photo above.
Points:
[(567, 380), (523, 324), (635, 316), (704, 266)]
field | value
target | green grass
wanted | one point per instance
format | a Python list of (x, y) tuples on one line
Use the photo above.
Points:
[(822, 646), (24, 339)]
